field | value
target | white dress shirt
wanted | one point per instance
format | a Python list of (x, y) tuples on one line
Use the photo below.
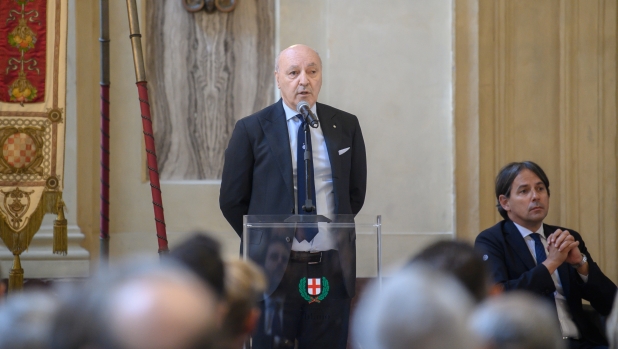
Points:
[(568, 327), (323, 181)]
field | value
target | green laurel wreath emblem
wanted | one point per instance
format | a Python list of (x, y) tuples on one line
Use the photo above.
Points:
[(302, 288)]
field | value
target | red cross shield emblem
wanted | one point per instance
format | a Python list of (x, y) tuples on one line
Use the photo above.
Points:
[(313, 290), (314, 286)]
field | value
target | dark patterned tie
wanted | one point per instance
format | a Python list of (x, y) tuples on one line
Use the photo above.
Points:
[(541, 256), (305, 233), (539, 249)]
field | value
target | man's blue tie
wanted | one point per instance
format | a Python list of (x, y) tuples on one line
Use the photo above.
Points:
[(303, 233), (541, 256), (539, 249)]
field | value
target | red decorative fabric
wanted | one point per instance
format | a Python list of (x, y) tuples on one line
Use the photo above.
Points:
[(23, 31)]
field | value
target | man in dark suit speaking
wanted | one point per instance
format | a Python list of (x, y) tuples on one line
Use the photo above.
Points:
[(264, 174), (552, 262)]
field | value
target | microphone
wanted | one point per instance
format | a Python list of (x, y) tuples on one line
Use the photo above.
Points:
[(303, 108)]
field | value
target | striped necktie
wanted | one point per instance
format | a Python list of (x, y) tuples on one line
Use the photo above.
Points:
[(539, 249)]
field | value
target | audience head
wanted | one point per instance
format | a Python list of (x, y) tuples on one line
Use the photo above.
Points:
[(612, 326), (202, 255), (245, 284), (26, 320), (151, 305), (506, 177), (517, 320), (417, 307), (460, 259)]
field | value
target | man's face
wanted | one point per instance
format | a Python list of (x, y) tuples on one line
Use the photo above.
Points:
[(299, 77), (276, 258), (528, 203)]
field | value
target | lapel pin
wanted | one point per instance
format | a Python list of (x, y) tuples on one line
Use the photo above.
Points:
[(334, 126)]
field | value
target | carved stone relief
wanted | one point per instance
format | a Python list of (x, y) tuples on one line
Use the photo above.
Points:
[(205, 71)]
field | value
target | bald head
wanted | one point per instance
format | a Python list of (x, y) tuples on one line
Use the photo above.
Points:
[(163, 312), (416, 307), (517, 320), (298, 71), (295, 47)]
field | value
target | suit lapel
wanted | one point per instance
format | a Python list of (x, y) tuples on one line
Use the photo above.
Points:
[(331, 136), (275, 129), (516, 241)]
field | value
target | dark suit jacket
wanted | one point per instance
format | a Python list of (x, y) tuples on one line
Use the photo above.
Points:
[(257, 174), (512, 265)]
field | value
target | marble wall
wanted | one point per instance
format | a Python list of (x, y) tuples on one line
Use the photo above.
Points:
[(206, 72)]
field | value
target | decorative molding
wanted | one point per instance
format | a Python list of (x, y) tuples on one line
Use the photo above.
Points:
[(209, 6), (608, 71), (467, 153), (501, 78)]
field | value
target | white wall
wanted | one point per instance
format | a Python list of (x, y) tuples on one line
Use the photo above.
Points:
[(391, 65)]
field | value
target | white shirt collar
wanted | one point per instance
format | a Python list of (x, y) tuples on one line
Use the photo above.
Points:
[(525, 231), (291, 113)]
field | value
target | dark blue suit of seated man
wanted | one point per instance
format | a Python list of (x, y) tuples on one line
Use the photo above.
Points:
[(553, 262)]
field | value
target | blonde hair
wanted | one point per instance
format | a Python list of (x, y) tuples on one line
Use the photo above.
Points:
[(244, 285)]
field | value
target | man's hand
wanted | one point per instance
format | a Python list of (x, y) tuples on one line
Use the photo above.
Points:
[(559, 245), (574, 258)]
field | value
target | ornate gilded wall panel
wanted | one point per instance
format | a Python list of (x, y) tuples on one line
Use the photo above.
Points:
[(33, 61)]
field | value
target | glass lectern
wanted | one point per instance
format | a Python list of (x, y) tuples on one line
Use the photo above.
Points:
[(311, 263)]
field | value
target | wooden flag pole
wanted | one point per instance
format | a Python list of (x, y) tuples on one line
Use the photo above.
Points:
[(104, 213), (142, 89)]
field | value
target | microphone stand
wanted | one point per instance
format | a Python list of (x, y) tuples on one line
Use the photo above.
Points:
[(308, 206)]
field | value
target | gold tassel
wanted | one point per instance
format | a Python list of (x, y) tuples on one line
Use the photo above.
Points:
[(19, 242), (60, 232), (16, 276)]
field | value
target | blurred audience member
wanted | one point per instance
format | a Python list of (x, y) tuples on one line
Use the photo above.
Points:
[(612, 326), (26, 320), (415, 308), (517, 321), (244, 285), (202, 254), (147, 306), (460, 259)]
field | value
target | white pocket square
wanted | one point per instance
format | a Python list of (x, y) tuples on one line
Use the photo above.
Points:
[(343, 150)]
